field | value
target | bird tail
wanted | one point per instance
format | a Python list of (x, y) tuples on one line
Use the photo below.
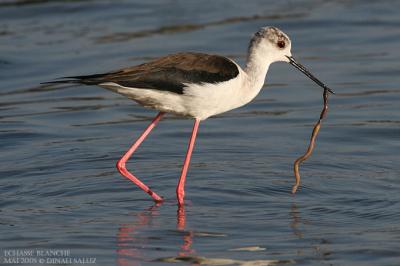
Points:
[(87, 80), (67, 81)]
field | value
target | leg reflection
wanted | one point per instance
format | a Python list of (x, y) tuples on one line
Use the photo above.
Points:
[(181, 218), (186, 249), (130, 242), (127, 241)]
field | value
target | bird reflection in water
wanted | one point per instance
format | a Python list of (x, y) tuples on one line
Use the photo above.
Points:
[(128, 252), (129, 243), (186, 248)]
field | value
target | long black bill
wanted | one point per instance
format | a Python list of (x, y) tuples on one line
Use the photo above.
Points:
[(303, 69)]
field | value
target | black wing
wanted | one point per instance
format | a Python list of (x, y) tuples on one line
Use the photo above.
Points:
[(169, 73)]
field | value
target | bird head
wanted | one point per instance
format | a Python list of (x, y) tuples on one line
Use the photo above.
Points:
[(272, 43)]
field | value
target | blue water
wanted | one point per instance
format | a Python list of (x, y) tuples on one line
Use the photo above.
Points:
[(59, 187)]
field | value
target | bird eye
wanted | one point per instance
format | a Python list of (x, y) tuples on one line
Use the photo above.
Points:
[(281, 44)]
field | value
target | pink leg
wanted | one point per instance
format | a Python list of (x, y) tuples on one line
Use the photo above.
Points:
[(121, 164), (180, 189)]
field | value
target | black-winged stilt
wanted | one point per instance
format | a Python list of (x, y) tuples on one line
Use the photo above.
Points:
[(195, 85)]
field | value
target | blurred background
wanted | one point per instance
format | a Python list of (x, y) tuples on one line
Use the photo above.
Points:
[(58, 185)]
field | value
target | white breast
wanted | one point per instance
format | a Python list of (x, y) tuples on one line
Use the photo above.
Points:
[(205, 100)]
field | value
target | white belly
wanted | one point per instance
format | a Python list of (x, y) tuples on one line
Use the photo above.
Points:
[(198, 100)]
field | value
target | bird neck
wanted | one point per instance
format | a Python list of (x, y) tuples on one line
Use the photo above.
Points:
[(256, 69)]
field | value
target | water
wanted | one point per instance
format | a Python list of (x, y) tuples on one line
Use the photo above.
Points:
[(58, 185)]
